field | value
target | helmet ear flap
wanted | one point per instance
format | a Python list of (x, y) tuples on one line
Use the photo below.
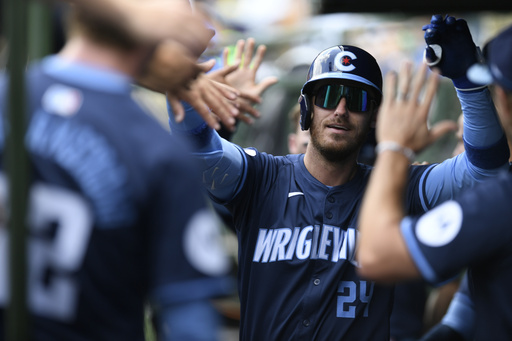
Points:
[(305, 111)]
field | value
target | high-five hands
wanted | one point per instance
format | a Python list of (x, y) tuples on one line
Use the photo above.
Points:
[(241, 75), (403, 114)]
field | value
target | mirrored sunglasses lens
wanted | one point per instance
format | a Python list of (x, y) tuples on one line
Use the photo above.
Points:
[(357, 100), (328, 97)]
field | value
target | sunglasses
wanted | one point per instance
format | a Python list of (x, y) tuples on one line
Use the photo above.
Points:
[(329, 95)]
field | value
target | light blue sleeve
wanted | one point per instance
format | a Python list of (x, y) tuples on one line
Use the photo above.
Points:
[(222, 162), (482, 127), (486, 152)]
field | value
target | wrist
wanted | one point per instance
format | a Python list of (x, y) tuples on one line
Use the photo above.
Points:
[(464, 84), (395, 147)]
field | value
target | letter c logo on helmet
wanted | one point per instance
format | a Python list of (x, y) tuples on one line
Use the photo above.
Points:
[(336, 64), (343, 61)]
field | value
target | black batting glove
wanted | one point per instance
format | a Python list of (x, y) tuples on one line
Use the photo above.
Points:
[(450, 48)]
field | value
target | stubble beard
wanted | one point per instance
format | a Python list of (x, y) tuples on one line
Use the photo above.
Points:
[(338, 149)]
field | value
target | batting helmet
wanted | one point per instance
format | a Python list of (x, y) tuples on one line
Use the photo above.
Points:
[(342, 63)]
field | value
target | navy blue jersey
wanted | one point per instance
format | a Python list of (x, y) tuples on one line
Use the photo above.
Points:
[(293, 227), (117, 214), (297, 236), (474, 231)]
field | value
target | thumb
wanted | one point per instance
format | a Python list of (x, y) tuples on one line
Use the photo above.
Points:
[(267, 82), (207, 66)]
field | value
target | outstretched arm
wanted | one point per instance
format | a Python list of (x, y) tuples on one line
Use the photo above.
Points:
[(401, 130), (450, 50), (222, 162)]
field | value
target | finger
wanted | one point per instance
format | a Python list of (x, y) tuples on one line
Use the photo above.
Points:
[(404, 80), (225, 56), (418, 82), (226, 90), (254, 99), (239, 48), (431, 89), (207, 66), (258, 59), (223, 72), (389, 92), (246, 119), (248, 109), (249, 48), (216, 100), (266, 83), (225, 116), (201, 107)]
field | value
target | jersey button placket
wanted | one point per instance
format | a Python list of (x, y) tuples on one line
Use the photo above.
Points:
[(328, 206), (316, 281)]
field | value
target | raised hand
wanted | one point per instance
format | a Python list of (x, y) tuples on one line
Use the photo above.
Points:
[(450, 48), (403, 114), (243, 77), (169, 69), (212, 100)]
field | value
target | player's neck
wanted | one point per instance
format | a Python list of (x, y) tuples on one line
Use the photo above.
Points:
[(80, 49), (327, 172)]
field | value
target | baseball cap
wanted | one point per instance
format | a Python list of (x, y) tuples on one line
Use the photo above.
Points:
[(497, 66)]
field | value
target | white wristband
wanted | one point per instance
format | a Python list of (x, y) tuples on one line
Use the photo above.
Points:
[(395, 147)]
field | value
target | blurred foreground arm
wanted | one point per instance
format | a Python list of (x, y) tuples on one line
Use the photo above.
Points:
[(152, 21), (401, 131)]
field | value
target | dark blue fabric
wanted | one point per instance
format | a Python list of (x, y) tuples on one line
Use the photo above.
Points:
[(490, 157)]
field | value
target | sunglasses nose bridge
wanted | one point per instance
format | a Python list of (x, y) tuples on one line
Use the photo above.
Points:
[(342, 106)]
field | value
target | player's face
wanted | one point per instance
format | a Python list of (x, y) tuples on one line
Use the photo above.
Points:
[(339, 132)]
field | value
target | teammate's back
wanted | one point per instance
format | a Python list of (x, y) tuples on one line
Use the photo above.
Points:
[(117, 218), (107, 212)]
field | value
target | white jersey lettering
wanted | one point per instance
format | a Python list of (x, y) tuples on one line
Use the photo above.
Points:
[(311, 242)]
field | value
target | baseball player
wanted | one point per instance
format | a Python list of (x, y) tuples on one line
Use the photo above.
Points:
[(117, 216), (296, 215), (471, 231)]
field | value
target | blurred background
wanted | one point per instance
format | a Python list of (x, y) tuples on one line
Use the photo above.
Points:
[(295, 31)]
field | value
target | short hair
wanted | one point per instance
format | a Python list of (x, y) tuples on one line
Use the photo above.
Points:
[(98, 28)]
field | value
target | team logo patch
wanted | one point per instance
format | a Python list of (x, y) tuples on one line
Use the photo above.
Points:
[(203, 245), (343, 61), (441, 225), (62, 100)]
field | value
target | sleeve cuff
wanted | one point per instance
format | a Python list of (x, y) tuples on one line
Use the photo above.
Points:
[(489, 157)]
